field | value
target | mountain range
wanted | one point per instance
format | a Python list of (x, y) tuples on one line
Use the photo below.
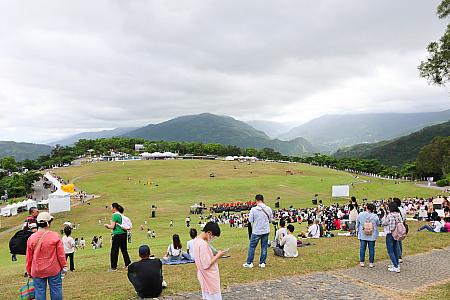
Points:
[(209, 128), (397, 151), (69, 141), (22, 151), (331, 132)]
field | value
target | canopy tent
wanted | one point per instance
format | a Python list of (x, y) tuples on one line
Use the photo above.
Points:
[(31, 203), (158, 155), (58, 201), (53, 180), (9, 210)]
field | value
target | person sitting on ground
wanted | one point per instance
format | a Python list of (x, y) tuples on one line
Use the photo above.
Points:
[(313, 229), (446, 227), (436, 226), (190, 244), (289, 244), (175, 251), (146, 275), (281, 233)]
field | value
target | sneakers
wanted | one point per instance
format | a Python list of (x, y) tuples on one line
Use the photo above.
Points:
[(371, 265), (112, 270), (246, 265), (361, 264), (263, 265), (400, 260), (396, 270), (392, 266)]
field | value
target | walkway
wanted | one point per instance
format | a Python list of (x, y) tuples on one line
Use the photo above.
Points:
[(354, 283)]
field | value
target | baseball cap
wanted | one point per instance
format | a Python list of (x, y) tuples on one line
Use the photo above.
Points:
[(44, 217), (144, 250)]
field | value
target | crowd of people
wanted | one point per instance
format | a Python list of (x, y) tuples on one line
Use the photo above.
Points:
[(362, 220)]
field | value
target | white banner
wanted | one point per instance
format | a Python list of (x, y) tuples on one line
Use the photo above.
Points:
[(340, 191)]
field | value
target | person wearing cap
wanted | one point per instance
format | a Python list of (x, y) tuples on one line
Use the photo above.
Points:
[(146, 275), (45, 259)]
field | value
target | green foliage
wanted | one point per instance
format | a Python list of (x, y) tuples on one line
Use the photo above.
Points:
[(18, 185), (436, 68), (8, 163), (442, 182), (434, 159)]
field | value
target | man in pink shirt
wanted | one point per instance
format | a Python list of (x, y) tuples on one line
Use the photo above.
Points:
[(46, 259), (206, 262)]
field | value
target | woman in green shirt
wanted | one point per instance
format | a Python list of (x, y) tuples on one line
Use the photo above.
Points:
[(119, 239)]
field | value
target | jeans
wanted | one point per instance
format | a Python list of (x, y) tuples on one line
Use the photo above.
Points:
[(427, 227), (254, 239), (362, 250), (70, 255), (55, 285), (400, 249), (119, 241), (392, 249)]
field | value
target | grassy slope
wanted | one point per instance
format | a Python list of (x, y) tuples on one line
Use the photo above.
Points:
[(182, 183)]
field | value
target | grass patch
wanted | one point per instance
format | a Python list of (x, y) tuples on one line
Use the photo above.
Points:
[(182, 183)]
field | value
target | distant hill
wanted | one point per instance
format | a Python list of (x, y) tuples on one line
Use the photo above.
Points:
[(92, 136), (397, 151), (331, 132), (209, 128), (22, 151), (272, 129)]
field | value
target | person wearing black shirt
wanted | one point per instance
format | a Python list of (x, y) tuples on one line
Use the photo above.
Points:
[(146, 274)]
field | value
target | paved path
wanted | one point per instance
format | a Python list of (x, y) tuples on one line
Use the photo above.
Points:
[(376, 283)]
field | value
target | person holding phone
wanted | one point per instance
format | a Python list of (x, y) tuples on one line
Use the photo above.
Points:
[(206, 262)]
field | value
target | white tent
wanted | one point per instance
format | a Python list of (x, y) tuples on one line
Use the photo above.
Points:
[(31, 203), (9, 210), (53, 180), (58, 201)]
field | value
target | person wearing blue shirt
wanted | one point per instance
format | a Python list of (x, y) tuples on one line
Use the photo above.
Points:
[(367, 234)]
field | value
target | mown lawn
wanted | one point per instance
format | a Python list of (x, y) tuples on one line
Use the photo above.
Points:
[(183, 183)]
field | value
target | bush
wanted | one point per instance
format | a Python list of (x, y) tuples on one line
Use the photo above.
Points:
[(442, 182)]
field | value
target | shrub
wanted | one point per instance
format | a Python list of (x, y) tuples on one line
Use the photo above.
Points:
[(442, 182)]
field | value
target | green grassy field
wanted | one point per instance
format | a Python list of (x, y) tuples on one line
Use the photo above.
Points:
[(183, 183)]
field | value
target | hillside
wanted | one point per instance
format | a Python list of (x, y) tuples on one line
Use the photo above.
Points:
[(331, 132), (22, 151), (92, 136), (272, 129), (209, 128), (397, 151)]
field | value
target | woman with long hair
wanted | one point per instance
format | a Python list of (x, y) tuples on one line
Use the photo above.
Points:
[(175, 250), (389, 222)]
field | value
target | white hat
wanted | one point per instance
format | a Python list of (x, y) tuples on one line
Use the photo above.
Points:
[(44, 217)]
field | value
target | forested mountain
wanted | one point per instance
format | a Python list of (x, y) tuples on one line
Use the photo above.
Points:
[(209, 128), (331, 132), (397, 151), (92, 136), (22, 151)]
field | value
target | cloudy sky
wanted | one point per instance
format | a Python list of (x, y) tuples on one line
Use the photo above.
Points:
[(72, 66)]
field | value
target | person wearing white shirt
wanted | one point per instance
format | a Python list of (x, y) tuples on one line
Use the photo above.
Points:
[(289, 244), (314, 230), (190, 244), (69, 246), (281, 232)]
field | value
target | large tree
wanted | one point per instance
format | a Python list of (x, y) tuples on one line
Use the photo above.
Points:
[(434, 158), (436, 68)]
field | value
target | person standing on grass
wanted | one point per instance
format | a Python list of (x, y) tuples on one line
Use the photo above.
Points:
[(367, 229), (206, 262), (403, 215), (46, 261), (260, 216), (119, 237), (389, 222), (69, 246)]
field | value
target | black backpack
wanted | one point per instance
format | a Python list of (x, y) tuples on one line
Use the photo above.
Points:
[(18, 243)]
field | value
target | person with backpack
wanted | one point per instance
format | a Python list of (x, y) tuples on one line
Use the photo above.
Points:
[(367, 228), (260, 216), (392, 223), (403, 215), (119, 238)]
